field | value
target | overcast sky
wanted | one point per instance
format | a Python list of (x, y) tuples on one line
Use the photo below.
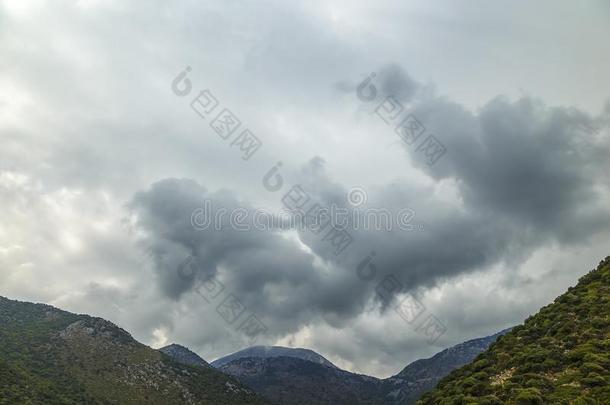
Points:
[(102, 164)]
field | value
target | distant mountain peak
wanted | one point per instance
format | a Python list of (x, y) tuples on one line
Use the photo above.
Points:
[(291, 381), (274, 351), (183, 355)]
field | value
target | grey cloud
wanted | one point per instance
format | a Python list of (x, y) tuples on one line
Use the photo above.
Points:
[(271, 274), (396, 81), (537, 166), (523, 177), (540, 166), (452, 241)]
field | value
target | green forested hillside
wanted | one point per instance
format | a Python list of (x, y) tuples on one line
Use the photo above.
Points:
[(561, 355), (49, 356)]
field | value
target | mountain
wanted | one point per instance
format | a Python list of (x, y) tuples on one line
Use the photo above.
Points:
[(293, 381), (183, 355), (423, 375), (311, 379), (49, 356), (561, 355), (274, 351)]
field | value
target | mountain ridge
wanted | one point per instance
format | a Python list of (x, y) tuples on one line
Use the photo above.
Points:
[(423, 374), (289, 380), (104, 362), (51, 356)]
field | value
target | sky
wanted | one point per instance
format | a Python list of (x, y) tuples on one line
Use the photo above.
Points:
[(107, 154)]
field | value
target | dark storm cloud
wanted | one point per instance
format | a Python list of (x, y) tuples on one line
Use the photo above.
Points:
[(543, 167), (397, 82), (525, 174), (271, 274), (452, 240), (539, 167)]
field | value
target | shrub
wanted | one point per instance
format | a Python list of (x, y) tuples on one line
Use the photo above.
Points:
[(480, 364), (489, 400), (591, 367), (593, 380), (529, 396), (584, 400)]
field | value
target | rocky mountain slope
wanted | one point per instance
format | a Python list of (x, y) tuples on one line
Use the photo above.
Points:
[(49, 356), (561, 355)]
